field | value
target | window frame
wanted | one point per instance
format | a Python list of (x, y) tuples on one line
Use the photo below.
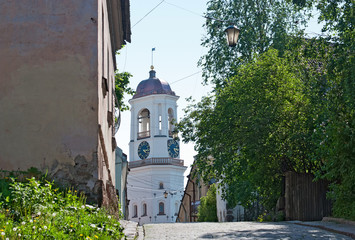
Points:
[(135, 211), (161, 204), (142, 120), (144, 208)]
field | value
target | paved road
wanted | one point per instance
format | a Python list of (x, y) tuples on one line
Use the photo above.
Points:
[(236, 230)]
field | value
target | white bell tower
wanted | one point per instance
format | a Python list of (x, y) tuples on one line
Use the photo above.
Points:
[(155, 181)]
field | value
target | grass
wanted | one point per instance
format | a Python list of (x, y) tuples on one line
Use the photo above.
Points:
[(35, 209)]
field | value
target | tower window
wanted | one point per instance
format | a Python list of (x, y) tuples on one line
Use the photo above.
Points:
[(161, 208), (159, 123), (143, 124), (161, 185), (170, 121)]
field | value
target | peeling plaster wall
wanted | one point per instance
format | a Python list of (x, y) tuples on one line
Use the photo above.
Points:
[(49, 91)]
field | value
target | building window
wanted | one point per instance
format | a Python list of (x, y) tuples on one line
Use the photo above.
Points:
[(104, 86), (144, 124), (159, 123), (170, 122), (161, 208), (135, 211), (161, 185), (144, 209)]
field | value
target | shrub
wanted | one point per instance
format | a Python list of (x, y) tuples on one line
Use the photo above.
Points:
[(272, 217), (34, 209), (207, 211)]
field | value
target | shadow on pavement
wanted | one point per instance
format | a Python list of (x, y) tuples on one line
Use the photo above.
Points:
[(285, 232)]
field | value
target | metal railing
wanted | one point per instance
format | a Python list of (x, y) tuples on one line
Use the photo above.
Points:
[(144, 134), (156, 161)]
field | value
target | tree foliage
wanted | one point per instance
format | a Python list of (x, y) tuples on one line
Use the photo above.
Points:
[(274, 111), (207, 211), (121, 88), (254, 129), (263, 23), (335, 132), (339, 129)]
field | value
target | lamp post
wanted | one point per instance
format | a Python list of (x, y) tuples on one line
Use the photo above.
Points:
[(165, 194), (232, 33)]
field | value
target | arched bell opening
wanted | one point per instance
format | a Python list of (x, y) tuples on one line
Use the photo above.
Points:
[(143, 124)]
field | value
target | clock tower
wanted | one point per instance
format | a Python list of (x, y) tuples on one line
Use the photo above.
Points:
[(155, 181)]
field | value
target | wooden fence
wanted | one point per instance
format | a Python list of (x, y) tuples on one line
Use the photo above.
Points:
[(305, 200)]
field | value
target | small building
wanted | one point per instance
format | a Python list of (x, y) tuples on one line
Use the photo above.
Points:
[(195, 189), (57, 64), (156, 177)]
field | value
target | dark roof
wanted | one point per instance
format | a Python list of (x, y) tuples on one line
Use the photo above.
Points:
[(119, 24), (153, 85)]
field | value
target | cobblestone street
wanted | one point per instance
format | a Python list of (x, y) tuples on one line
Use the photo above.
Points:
[(236, 230)]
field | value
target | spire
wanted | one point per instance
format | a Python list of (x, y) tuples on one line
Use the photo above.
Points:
[(152, 72)]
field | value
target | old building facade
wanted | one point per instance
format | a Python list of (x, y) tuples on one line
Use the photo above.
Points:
[(57, 64)]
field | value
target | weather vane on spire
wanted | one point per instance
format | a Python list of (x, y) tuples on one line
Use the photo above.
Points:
[(152, 67)]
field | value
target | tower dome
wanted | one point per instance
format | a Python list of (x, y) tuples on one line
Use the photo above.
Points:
[(152, 85)]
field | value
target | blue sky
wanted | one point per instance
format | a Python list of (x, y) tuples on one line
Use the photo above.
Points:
[(176, 36)]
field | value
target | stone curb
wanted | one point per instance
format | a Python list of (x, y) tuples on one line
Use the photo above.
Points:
[(130, 229), (338, 220), (327, 228), (140, 231)]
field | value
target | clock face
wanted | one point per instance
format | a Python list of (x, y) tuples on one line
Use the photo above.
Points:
[(143, 150), (173, 148)]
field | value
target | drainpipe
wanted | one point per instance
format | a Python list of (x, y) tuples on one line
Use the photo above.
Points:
[(194, 194), (190, 206)]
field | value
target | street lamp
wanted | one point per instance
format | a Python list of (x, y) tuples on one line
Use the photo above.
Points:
[(232, 33), (165, 194)]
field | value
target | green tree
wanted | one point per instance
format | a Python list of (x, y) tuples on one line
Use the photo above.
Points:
[(254, 129), (207, 211), (263, 23), (338, 131), (271, 112), (121, 88)]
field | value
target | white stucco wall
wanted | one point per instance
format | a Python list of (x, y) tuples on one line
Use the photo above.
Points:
[(143, 187)]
